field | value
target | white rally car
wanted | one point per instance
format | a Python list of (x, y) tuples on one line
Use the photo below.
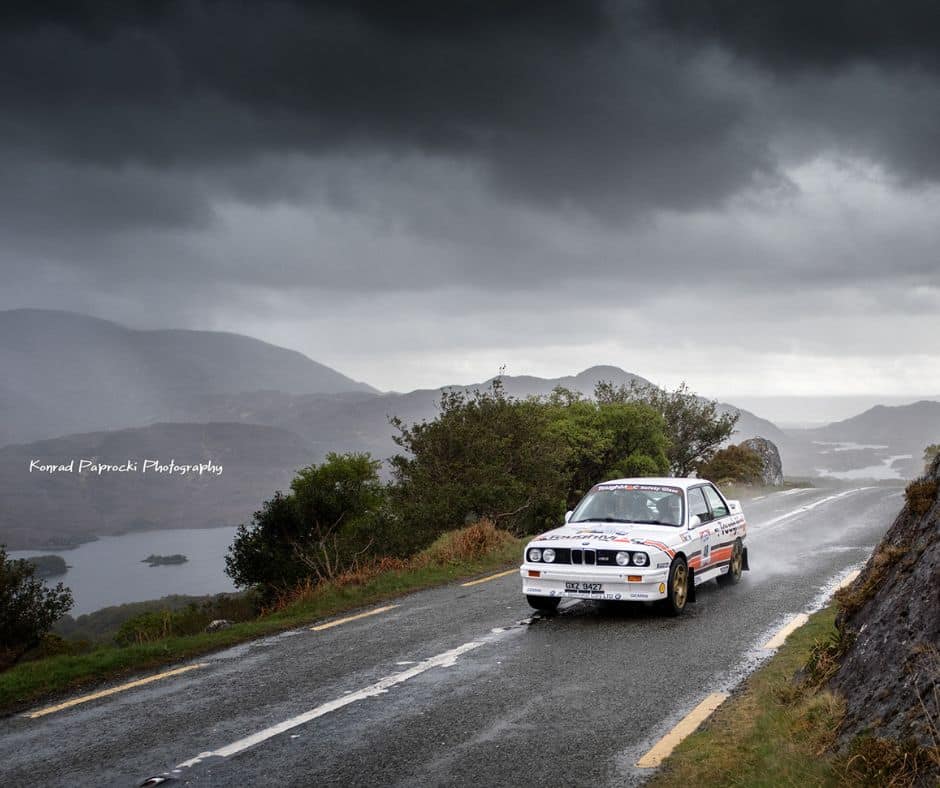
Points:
[(637, 540)]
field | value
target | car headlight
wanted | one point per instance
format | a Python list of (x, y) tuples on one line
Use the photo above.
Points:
[(535, 554), (640, 559), (548, 555), (623, 559)]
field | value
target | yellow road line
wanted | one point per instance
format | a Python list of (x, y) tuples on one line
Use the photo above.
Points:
[(490, 577), (662, 749), (795, 623), (112, 691), (337, 622), (850, 578)]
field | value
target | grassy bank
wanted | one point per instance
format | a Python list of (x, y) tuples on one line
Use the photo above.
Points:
[(772, 732), (456, 555), (780, 728)]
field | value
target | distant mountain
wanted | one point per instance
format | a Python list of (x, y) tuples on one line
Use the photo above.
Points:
[(62, 373), (42, 509), (916, 424), (881, 436)]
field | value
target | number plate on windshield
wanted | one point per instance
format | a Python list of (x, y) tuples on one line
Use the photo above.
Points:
[(584, 588)]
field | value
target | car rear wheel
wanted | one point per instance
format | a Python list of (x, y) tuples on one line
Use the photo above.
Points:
[(733, 575), (677, 589), (547, 604)]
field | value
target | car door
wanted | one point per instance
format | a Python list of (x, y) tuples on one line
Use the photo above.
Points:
[(723, 522), (701, 534)]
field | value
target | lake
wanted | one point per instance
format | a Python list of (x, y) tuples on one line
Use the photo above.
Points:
[(109, 571)]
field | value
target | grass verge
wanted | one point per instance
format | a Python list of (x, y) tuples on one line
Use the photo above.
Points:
[(774, 731), (456, 555)]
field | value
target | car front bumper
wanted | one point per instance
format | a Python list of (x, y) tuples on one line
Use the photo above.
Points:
[(626, 584)]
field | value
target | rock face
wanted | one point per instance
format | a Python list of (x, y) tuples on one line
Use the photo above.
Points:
[(770, 456), (890, 674)]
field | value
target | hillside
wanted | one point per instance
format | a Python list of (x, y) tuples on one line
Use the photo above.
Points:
[(65, 508), (889, 675), (893, 425), (65, 373), (892, 436)]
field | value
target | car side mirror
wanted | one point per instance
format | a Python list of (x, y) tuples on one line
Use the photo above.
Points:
[(568, 515), (695, 521)]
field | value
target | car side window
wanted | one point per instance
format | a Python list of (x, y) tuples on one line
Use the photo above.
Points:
[(698, 505), (718, 506)]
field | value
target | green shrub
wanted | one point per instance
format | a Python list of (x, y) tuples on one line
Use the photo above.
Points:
[(28, 608), (485, 455), (734, 464), (334, 515)]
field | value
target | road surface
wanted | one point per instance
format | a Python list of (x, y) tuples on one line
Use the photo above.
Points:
[(460, 685)]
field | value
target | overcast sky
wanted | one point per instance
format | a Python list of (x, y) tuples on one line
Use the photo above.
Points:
[(745, 196)]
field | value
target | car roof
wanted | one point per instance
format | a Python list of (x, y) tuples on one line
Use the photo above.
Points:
[(664, 481)]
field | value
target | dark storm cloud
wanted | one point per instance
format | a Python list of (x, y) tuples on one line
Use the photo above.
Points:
[(856, 77), (560, 103), (384, 145), (789, 35), (613, 108)]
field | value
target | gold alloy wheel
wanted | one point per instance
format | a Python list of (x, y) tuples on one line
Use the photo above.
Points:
[(737, 559), (680, 585)]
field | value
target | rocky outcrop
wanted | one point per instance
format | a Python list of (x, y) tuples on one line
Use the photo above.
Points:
[(772, 475), (890, 621), (218, 625)]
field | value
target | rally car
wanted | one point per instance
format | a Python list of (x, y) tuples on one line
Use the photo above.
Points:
[(638, 540)]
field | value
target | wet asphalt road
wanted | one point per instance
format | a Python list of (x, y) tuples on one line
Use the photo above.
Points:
[(574, 699)]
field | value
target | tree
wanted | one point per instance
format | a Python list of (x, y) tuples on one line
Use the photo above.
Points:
[(737, 464), (486, 454), (28, 608), (332, 516), (606, 440), (694, 425)]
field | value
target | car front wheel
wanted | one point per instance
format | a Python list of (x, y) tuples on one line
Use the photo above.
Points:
[(677, 589), (547, 604), (733, 575)]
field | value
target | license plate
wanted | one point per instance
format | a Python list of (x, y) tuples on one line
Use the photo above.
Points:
[(584, 588)]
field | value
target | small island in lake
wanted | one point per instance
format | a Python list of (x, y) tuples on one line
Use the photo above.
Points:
[(49, 565), (165, 560)]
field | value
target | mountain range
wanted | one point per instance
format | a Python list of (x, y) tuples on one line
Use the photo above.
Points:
[(77, 387), (65, 373)]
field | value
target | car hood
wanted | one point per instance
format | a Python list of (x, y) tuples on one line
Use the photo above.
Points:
[(609, 535)]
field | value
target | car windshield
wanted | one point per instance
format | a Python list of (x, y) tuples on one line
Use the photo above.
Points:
[(630, 503)]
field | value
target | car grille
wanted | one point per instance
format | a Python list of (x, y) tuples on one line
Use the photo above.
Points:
[(586, 557)]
